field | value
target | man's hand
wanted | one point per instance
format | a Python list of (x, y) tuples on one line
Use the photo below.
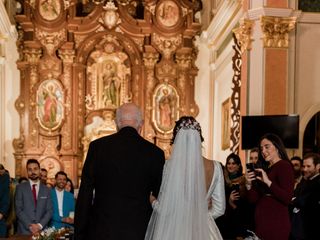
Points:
[(152, 198), (67, 220), (34, 228), (1, 216)]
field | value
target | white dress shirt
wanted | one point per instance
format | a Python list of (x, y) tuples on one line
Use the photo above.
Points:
[(60, 201)]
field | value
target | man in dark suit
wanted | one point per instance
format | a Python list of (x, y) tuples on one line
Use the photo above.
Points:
[(4, 200), (33, 202), (307, 201), (122, 169)]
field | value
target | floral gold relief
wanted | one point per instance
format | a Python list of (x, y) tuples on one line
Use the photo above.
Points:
[(276, 31)]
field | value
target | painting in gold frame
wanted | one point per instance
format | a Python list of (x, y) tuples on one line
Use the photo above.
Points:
[(225, 124)]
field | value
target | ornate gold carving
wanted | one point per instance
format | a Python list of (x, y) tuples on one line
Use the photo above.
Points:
[(150, 59), (184, 60), (243, 34), (32, 55), (98, 128), (276, 31), (67, 55), (51, 40), (110, 16), (167, 45), (79, 39)]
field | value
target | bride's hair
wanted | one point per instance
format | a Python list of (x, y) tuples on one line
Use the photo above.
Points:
[(186, 122)]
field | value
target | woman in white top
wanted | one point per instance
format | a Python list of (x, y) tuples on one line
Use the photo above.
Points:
[(190, 186)]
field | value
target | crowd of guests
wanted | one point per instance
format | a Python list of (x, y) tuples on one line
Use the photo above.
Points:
[(32, 204), (128, 191)]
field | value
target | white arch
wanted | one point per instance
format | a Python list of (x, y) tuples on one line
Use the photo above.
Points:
[(304, 120)]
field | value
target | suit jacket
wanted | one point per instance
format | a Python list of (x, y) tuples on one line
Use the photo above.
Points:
[(308, 201), (26, 211), (4, 194), (4, 202), (68, 205), (123, 169)]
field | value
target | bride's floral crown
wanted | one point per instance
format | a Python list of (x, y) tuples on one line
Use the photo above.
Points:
[(186, 122)]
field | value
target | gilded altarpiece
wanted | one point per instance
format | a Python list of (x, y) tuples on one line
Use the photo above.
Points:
[(80, 60)]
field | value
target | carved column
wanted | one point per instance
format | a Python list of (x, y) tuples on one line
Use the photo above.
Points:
[(242, 42), (275, 32), (149, 59), (184, 60), (67, 57), (32, 56)]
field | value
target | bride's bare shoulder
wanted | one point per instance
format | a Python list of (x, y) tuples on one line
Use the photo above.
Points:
[(208, 164)]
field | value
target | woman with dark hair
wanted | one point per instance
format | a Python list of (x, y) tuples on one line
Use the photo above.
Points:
[(272, 190), (69, 186), (188, 190), (238, 216)]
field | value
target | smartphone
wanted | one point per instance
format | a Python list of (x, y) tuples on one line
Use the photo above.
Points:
[(235, 187), (250, 167)]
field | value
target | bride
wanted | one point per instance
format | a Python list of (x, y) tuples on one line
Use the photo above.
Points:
[(183, 209)]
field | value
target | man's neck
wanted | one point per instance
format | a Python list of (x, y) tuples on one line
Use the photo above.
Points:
[(34, 181), (59, 189)]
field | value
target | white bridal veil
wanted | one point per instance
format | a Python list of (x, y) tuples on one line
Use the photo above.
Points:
[(182, 209)]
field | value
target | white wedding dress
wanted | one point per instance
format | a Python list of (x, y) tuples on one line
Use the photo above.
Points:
[(217, 194), (181, 212)]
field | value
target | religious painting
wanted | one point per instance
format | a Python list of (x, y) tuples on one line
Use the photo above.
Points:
[(50, 109), (49, 9), (167, 13), (225, 124), (165, 108)]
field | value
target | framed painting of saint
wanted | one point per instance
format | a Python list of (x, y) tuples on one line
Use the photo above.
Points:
[(49, 9), (167, 13), (166, 107), (50, 109), (225, 124)]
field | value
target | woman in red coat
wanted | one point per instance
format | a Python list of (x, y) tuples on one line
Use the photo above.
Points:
[(271, 190)]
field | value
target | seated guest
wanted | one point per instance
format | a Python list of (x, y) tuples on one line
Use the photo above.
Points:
[(33, 202), (69, 186), (44, 176), (63, 203)]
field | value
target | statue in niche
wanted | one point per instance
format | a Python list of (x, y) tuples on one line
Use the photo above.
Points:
[(111, 85), (109, 77)]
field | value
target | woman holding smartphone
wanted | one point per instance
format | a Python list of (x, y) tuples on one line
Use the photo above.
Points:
[(238, 216), (272, 191)]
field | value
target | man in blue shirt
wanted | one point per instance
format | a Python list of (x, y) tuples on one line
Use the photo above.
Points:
[(63, 203)]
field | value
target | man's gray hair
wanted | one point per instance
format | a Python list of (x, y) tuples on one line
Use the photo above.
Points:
[(125, 118)]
